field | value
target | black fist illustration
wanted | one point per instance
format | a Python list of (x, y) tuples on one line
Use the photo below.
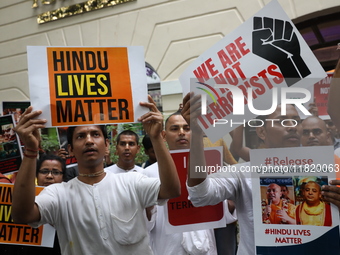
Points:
[(275, 41)]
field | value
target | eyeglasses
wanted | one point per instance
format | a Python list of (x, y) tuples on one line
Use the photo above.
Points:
[(47, 172)]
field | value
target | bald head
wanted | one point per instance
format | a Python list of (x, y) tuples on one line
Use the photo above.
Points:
[(177, 132), (315, 132)]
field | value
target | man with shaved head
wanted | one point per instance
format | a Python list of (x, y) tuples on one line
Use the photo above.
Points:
[(315, 132)]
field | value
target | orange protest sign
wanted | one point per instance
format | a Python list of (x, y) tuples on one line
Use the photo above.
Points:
[(12, 233), (89, 85)]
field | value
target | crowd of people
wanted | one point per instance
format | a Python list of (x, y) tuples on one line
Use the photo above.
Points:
[(106, 207)]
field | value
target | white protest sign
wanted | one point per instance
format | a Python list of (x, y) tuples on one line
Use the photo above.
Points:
[(267, 55), (297, 221)]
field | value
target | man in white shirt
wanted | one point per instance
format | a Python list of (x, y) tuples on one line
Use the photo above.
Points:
[(127, 147), (209, 190), (97, 212), (177, 135)]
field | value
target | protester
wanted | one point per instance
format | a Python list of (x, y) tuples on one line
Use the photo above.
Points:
[(177, 134), (127, 147), (225, 237), (237, 185), (315, 132), (149, 151), (72, 170), (98, 212), (50, 169)]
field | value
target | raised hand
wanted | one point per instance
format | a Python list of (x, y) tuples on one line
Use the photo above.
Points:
[(153, 120), (275, 40), (62, 153), (28, 128), (192, 110)]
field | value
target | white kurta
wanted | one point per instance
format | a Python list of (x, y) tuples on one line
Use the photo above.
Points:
[(234, 186), (177, 243), (117, 170), (104, 218)]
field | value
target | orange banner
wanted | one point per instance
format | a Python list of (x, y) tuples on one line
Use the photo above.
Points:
[(89, 85), (10, 232)]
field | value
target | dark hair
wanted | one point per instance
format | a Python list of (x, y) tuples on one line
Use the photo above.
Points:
[(127, 132), (71, 129), (45, 157), (173, 114), (147, 144)]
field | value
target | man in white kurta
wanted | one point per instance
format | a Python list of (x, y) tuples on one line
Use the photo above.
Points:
[(209, 190), (177, 134), (100, 213), (97, 212)]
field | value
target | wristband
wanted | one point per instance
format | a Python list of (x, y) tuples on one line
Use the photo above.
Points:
[(30, 156), (27, 149)]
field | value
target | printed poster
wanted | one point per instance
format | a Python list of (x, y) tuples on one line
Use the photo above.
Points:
[(21, 234), (17, 108), (321, 91), (290, 216), (87, 85), (181, 214), (10, 149), (250, 69)]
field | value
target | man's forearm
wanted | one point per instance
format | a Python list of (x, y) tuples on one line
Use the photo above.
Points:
[(196, 158), (170, 184)]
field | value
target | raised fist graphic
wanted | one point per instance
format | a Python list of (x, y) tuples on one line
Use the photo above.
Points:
[(275, 41)]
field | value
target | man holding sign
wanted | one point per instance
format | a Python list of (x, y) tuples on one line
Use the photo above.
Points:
[(97, 212), (177, 134), (236, 186)]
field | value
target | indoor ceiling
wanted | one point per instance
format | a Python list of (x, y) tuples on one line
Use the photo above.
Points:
[(322, 34)]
